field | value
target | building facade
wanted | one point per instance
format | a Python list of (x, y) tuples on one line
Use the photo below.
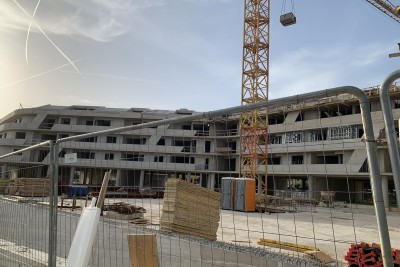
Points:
[(313, 146)]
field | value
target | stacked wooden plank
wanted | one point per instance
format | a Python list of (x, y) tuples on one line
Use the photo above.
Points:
[(29, 187), (190, 209), (35, 187), (3, 185)]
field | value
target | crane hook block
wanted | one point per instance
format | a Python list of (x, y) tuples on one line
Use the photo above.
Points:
[(288, 19)]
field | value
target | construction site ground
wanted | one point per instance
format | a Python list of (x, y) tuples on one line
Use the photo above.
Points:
[(330, 230)]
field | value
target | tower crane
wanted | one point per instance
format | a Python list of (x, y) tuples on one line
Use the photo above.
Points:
[(253, 155), (255, 72), (387, 7)]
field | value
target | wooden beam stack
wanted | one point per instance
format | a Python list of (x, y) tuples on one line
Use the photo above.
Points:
[(3, 185), (33, 187), (190, 209), (28, 187)]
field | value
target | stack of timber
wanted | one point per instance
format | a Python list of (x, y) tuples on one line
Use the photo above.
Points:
[(190, 209), (29, 187), (33, 187), (3, 185)]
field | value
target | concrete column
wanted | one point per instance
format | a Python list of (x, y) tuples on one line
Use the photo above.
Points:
[(118, 178), (275, 184), (211, 181), (14, 174), (141, 179), (188, 177), (358, 188), (4, 171), (385, 189), (71, 175), (311, 186), (315, 186)]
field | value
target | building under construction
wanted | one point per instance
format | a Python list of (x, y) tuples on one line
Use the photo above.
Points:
[(312, 147)]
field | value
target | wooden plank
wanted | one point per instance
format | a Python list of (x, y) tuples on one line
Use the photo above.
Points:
[(285, 245), (143, 250), (183, 185)]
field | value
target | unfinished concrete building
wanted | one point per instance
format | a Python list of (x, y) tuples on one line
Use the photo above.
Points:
[(313, 146)]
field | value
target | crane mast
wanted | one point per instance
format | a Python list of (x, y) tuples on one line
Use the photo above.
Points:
[(255, 73), (387, 8)]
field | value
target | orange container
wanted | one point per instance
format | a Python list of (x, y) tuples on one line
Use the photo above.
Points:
[(245, 194)]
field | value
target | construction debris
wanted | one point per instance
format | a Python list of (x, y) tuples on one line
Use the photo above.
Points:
[(124, 208), (123, 211), (285, 201), (190, 209)]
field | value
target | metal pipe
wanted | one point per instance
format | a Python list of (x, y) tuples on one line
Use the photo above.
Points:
[(368, 131), (53, 202), (376, 182), (54, 205), (390, 130), (25, 149)]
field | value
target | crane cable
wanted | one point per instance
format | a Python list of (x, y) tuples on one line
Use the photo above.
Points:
[(283, 10)]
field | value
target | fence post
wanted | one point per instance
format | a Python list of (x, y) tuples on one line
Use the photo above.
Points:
[(53, 202), (390, 130)]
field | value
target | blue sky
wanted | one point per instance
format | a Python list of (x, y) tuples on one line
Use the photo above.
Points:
[(170, 54)]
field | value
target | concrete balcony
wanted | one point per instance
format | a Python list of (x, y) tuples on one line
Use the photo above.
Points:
[(314, 169), (224, 150), (328, 145), (122, 164)]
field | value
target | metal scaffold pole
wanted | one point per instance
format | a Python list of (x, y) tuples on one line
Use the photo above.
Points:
[(53, 202)]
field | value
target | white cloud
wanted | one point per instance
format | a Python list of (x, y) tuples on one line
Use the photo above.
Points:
[(100, 20), (305, 70), (370, 54)]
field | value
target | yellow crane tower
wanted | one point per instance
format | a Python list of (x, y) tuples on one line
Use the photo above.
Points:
[(254, 124), (255, 74)]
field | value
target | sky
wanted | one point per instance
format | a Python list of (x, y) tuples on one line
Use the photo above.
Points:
[(171, 54)]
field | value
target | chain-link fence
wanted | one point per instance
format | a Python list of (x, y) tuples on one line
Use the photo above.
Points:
[(24, 209), (171, 173)]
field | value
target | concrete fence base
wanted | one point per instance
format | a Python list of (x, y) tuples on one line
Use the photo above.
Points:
[(174, 251)]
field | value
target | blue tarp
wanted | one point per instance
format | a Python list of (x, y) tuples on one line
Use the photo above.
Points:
[(78, 190)]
